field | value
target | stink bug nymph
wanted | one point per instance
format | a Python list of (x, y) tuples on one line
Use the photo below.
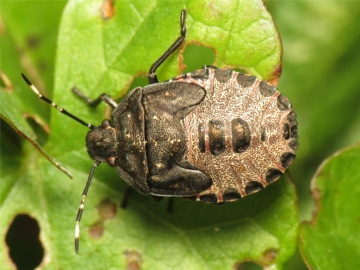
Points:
[(211, 135)]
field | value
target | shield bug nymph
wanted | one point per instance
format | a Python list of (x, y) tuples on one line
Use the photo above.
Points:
[(211, 135)]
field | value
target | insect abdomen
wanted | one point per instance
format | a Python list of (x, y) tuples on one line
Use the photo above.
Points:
[(212, 137), (243, 134)]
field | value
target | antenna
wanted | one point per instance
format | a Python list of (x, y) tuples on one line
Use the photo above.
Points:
[(82, 204), (49, 101), (97, 162)]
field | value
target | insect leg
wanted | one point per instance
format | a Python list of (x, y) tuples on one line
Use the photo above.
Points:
[(170, 204), (95, 102), (125, 198), (152, 77)]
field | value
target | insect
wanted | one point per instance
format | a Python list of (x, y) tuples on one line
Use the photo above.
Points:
[(211, 135)]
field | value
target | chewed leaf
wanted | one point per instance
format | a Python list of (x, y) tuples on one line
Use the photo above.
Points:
[(18, 123), (102, 47), (330, 240)]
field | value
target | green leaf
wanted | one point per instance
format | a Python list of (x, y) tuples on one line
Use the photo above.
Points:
[(27, 46), (320, 77), (331, 239), (103, 52)]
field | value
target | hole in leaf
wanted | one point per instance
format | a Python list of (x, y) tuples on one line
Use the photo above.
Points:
[(140, 81), (248, 266), (11, 142), (243, 71), (22, 239), (40, 129), (195, 57)]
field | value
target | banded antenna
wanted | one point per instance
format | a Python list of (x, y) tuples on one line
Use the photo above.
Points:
[(49, 101), (97, 162)]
